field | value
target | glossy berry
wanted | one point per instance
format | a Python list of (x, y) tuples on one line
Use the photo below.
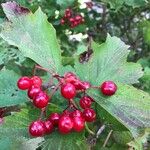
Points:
[(78, 124), (24, 83), (78, 85), (86, 85), (37, 128), (54, 118), (71, 20), (33, 91), (41, 100), (68, 91), (78, 18), (70, 77), (36, 81), (48, 127), (68, 13), (89, 115), (65, 124), (76, 113), (108, 88), (85, 102)]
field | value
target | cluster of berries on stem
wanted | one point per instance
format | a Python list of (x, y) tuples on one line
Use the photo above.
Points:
[(74, 117), (71, 18)]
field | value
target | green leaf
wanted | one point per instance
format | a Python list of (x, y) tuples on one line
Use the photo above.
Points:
[(142, 142), (108, 62), (9, 93), (72, 141), (65, 3), (14, 130), (109, 120), (122, 138), (129, 106), (32, 34), (116, 4), (136, 3)]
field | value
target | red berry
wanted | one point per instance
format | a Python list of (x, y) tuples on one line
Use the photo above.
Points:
[(68, 13), (62, 21), (65, 124), (54, 118), (89, 115), (78, 124), (48, 127), (41, 100), (24, 83), (86, 85), (33, 91), (78, 18), (36, 80), (68, 91), (71, 20), (76, 113), (108, 88), (70, 77), (80, 85), (92, 100), (85, 102), (37, 128)]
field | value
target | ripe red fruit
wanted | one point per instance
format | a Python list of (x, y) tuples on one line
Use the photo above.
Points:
[(70, 77), (62, 21), (85, 102), (71, 20), (78, 85), (81, 85), (48, 127), (78, 18), (76, 113), (37, 128), (24, 83), (86, 85), (89, 115), (33, 91), (68, 13), (54, 118), (78, 124), (68, 91), (41, 100), (65, 124), (36, 81), (108, 88)]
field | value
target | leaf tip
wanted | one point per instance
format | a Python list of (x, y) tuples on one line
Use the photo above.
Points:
[(13, 9)]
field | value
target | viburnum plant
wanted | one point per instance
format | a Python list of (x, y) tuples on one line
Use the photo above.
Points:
[(88, 97)]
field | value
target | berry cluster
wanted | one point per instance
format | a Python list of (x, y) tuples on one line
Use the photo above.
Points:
[(71, 18), (35, 92), (73, 118)]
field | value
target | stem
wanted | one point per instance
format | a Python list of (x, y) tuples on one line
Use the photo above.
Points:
[(72, 102), (89, 130), (101, 129), (43, 112), (54, 90), (41, 68), (107, 138)]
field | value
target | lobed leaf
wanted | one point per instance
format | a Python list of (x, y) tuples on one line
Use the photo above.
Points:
[(108, 62), (32, 34)]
